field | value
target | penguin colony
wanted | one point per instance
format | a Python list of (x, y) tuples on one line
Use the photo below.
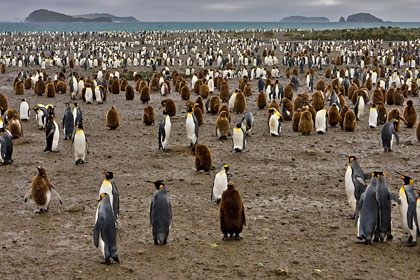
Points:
[(351, 95)]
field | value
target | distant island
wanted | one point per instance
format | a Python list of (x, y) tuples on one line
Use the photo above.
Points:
[(114, 18), (363, 17), (44, 15), (304, 19)]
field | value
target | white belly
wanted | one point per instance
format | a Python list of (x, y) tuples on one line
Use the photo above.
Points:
[(79, 146), (56, 137), (24, 111), (220, 185), (238, 138), (274, 125), (320, 122), (361, 107), (191, 130), (349, 186), (89, 96), (373, 118), (232, 101)]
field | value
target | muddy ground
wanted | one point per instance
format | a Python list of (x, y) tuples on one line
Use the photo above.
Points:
[(298, 220)]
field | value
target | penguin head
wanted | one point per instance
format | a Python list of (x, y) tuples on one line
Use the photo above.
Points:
[(351, 158), (109, 175), (396, 122), (41, 171), (158, 184), (189, 109), (271, 110), (378, 174), (226, 167), (410, 103), (407, 180), (231, 185), (2, 130)]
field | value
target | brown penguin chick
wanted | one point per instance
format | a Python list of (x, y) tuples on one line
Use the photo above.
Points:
[(19, 88), (10, 113), (352, 89), (3, 101), (328, 73), (197, 86), (185, 93), (404, 90), (320, 85), (377, 96), (390, 96), (154, 83), (306, 124), (296, 119), (240, 103), (288, 91), (356, 81), (145, 95), (398, 98), (115, 86), (318, 101), (148, 115), (50, 91), (3, 68), (198, 114), (349, 123), (142, 84), (40, 87), (224, 92), (71, 63), (382, 114), (222, 125), (123, 84), (225, 107), (204, 91), (189, 104), (334, 83), (333, 115), (369, 83), (261, 100), (232, 213), (414, 91), (342, 114), (200, 103), (287, 112), (15, 127), (418, 131), (137, 84), (312, 110), (300, 100), (112, 118), (214, 104), (203, 158), (129, 92), (410, 114), (395, 114), (62, 87), (28, 83), (170, 106), (40, 191), (248, 89)]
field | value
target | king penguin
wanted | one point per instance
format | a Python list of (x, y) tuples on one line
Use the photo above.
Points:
[(238, 137), (79, 144), (367, 212), (191, 124), (110, 188), (77, 114), (388, 133), (52, 133), (220, 183), (408, 213), (68, 122), (41, 115), (99, 94), (160, 213), (164, 132), (247, 122), (355, 182), (275, 122), (321, 121), (359, 107), (6, 146), (373, 116), (383, 198), (24, 110), (104, 233)]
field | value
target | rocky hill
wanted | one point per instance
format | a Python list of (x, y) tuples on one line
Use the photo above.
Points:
[(50, 16), (114, 18), (363, 17), (304, 19)]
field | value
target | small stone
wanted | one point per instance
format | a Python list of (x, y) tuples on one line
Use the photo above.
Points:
[(281, 271), (75, 208), (295, 262), (310, 152)]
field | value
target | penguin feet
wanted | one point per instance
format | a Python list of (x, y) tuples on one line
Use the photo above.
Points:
[(389, 236), (107, 261), (368, 242), (412, 244), (218, 201), (225, 237), (237, 237), (376, 239)]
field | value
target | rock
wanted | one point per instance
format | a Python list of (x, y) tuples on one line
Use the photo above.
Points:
[(310, 152), (75, 208), (281, 271)]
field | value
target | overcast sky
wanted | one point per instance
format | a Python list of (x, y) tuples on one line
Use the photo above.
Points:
[(217, 10)]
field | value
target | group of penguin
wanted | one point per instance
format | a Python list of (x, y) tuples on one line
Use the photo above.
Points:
[(371, 204)]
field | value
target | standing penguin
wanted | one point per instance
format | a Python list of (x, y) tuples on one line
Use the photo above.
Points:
[(68, 122), (388, 133), (409, 114), (41, 115), (373, 116), (110, 188), (408, 213), (6, 146), (99, 94), (112, 118), (367, 212), (77, 114), (359, 107), (160, 213), (104, 233), (164, 131), (321, 119), (40, 191), (232, 213), (220, 183), (24, 110), (383, 198), (355, 182), (274, 122), (88, 94), (191, 124), (52, 133), (203, 157), (247, 122), (239, 138), (79, 144)]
